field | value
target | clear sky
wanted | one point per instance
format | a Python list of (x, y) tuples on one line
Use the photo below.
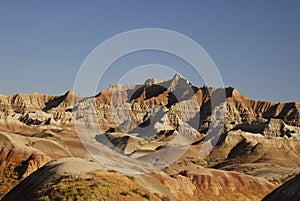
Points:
[(255, 44)]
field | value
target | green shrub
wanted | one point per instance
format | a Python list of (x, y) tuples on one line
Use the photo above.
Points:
[(147, 196)]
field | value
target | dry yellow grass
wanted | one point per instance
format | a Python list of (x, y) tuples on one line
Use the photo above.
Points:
[(102, 185)]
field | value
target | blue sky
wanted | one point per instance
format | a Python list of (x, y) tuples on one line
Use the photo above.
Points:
[(254, 44)]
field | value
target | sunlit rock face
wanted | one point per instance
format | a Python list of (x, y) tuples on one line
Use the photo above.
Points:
[(127, 107)]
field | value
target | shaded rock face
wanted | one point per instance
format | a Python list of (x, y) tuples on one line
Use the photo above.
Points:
[(289, 191), (30, 165)]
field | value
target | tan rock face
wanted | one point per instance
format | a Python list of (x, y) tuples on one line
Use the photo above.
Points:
[(131, 105), (208, 184)]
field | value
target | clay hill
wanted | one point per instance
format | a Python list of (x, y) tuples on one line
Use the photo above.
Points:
[(204, 144)]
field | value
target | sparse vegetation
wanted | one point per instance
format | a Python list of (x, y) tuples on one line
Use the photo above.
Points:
[(275, 180), (208, 161), (147, 196), (125, 193), (132, 178), (103, 186), (165, 198), (138, 192)]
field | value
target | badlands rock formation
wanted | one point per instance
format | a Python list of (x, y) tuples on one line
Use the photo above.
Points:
[(183, 133)]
